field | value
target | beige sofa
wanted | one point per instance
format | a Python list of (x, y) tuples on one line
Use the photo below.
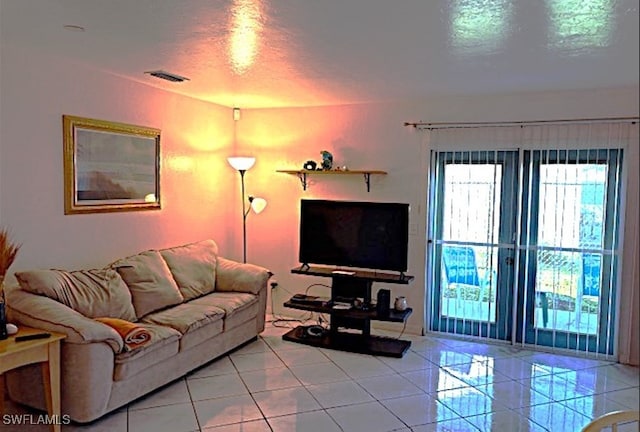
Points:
[(195, 305)]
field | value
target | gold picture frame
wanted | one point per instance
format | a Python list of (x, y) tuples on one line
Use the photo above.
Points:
[(109, 166)]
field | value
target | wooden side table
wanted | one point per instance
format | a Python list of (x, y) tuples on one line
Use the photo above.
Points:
[(45, 351)]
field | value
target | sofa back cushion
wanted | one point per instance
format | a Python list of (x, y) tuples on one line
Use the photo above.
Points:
[(193, 267), (151, 284), (93, 293)]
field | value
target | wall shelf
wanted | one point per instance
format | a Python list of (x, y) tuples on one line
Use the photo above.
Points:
[(302, 175)]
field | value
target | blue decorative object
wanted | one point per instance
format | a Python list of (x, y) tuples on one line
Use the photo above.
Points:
[(327, 160)]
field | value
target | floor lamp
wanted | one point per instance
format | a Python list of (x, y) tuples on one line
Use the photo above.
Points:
[(242, 165)]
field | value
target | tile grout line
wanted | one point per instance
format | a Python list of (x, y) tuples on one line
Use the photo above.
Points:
[(322, 408)]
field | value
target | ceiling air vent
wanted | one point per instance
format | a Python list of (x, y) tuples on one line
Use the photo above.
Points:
[(167, 76)]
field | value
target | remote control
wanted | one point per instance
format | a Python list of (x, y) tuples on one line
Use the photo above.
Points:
[(32, 337)]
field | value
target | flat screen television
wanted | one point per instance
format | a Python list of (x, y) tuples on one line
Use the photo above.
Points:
[(370, 235)]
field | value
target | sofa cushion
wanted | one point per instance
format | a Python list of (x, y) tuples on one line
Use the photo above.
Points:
[(164, 344), (193, 267), (196, 322), (202, 334), (150, 282), (238, 307), (185, 317), (93, 293)]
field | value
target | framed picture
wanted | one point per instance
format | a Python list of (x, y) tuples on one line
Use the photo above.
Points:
[(110, 167)]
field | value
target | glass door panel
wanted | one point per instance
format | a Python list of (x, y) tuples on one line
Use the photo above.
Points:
[(571, 250), (468, 247)]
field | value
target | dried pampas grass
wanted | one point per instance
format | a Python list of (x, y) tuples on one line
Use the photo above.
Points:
[(8, 252)]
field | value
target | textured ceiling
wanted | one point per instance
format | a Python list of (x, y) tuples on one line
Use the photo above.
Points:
[(272, 53)]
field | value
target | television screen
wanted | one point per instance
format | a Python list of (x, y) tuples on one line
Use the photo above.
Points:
[(354, 234)]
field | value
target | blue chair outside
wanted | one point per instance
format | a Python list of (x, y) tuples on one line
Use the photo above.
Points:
[(460, 268), (591, 268), (460, 265)]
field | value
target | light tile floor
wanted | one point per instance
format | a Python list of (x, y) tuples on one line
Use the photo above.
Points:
[(439, 385)]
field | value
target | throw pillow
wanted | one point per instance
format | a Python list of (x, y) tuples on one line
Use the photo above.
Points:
[(150, 282), (193, 267), (93, 293)]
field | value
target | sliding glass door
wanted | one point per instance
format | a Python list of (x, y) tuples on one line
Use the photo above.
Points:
[(523, 246)]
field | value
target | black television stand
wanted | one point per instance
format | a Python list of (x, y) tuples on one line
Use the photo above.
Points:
[(346, 285)]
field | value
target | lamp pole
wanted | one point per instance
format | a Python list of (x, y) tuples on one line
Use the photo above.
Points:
[(244, 219)]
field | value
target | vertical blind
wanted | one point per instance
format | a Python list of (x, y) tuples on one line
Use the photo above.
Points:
[(525, 231)]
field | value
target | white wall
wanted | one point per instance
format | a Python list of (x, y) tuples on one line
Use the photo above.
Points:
[(373, 136), (196, 181)]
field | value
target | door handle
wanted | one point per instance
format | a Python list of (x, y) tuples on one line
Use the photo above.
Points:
[(509, 261)]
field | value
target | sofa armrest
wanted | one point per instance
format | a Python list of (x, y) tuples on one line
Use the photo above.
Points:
[(47, 314), (239, 277)]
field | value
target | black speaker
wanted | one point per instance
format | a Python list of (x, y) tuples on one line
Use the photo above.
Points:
[(384, 302)]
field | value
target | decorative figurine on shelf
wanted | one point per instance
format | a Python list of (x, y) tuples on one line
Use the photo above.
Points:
[(327, 160), (310, 165)]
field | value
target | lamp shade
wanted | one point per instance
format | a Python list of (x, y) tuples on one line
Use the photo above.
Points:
[(258, 204), (241, 163)]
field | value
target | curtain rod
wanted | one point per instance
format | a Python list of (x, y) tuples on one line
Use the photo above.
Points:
[(453, 125)]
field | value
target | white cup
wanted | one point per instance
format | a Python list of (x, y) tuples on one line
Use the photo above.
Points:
[(400, 303)]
